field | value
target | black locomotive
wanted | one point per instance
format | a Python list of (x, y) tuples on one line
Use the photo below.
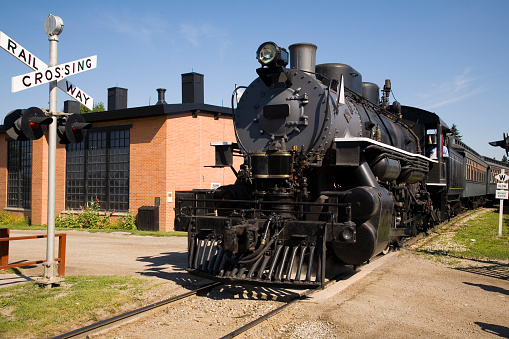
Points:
[(330, 172)]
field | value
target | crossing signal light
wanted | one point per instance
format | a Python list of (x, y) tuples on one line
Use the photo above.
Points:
[(72, 129), (26, 124)]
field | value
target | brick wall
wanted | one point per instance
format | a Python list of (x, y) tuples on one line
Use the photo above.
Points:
[(189, 151), (3, 170), (168, 153)]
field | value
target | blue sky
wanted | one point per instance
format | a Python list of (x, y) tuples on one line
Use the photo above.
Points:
[(449, 57)]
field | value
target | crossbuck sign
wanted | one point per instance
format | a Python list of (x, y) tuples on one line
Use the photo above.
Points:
[(43, 74), (58, 72)]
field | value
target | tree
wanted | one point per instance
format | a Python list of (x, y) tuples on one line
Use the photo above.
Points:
[(505, 160), (99, 107), (455, 132)]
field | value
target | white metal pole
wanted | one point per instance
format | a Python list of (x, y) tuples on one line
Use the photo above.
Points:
[(500, 217), (501, 212), (52, 149)]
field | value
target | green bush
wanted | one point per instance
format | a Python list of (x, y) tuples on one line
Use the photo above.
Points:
[(91, 217), (7, 219)]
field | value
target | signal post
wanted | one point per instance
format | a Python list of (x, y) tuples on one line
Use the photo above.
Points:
[(30, 124), (53, 26)]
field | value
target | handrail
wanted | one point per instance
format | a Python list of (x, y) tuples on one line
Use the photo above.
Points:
[(4, 250)]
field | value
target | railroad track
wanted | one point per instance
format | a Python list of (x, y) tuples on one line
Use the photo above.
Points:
[(118, 320), (267, 316), (140, 312), (444, 225), (128, 316)]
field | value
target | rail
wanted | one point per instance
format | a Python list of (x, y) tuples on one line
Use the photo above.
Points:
[(4, 251)]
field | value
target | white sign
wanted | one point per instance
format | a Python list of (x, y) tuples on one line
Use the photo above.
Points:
[(23, 55), (58, 72), (76, 93), (501, 194), (20, 53), (502, 177), (502, 186)]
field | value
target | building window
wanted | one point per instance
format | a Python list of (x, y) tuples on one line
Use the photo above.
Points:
[(19, 177), (98, 168)]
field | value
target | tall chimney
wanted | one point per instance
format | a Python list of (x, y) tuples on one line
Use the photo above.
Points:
[(192, 88), (71, 106), (160, 96), (303, 57), (117, 98)]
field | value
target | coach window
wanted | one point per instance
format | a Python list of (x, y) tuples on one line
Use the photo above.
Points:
[(19, 173), (98, 168)]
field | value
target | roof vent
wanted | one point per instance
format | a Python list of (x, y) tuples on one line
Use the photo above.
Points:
[(160, 96)]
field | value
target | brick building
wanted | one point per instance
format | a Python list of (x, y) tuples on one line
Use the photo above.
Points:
[(132, 157)]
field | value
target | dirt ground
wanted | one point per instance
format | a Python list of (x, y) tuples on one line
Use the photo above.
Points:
[(410, 295)]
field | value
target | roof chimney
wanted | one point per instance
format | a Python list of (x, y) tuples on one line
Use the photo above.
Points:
[(71, 106), (192, 88), (117, 98), (160, 96)]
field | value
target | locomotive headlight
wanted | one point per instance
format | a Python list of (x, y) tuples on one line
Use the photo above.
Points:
[(266, 53), (269, 54)]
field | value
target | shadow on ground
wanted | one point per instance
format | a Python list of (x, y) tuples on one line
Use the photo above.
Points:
[(172, 266), (494, 270), (501, 331), (169, 266)]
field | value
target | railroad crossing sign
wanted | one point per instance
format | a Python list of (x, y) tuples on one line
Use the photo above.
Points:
[(23, 55), (502, 177), (58, 72)]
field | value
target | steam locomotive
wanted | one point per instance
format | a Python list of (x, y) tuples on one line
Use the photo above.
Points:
[(331, 172)]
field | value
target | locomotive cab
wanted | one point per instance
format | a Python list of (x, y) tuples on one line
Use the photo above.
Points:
[(433, 132)]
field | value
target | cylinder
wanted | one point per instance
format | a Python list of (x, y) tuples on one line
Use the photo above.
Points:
[(364, 201), (303, 57)]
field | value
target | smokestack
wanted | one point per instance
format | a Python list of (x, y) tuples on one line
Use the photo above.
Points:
[(303, 57), (160, 96)]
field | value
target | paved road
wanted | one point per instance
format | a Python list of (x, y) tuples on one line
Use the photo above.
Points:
[(107, 254)]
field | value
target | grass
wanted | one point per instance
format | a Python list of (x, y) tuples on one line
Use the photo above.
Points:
[(27, 310), (476, 238), (480, 237)]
